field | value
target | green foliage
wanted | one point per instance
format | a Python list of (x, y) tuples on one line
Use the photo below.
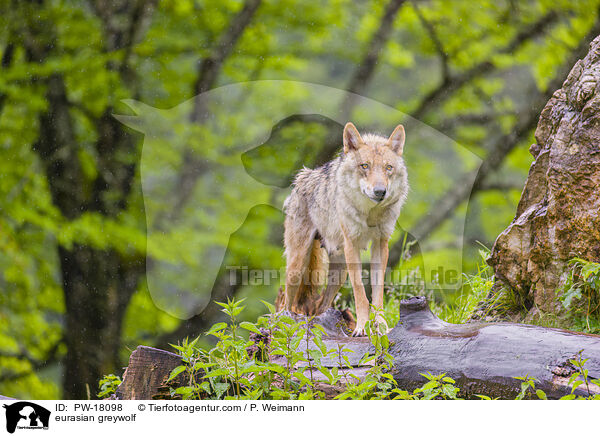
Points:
[(581, 294), (108, 385), (284, 360), (528, 385), (577, 379), (323, 45), (581, 377), (476, 288), (438, 386)]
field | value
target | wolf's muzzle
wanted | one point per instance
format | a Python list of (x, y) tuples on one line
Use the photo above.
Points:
[(379, 193)]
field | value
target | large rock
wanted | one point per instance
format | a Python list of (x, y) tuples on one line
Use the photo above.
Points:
[(558, 216)]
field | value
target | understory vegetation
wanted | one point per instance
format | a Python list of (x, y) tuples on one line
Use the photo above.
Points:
[(581, 294), (277, 363), (278, 357), (579, 297)]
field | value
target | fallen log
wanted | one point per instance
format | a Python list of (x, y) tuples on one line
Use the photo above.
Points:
[(483, 358)]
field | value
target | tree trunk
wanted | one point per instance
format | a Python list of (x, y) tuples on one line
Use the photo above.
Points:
[(98, 286), (482, 358), (146, 375), (558, 216)]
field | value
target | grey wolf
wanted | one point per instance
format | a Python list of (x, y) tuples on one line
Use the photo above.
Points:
[(340, 207)]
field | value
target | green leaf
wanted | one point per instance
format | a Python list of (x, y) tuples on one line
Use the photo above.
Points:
[(568, 296), (303, 379), (220, 389), (277, 368), (576, 384), (176, 371), (450, 391), (184, 391), (216, 373), (270, 307), (203, 365), (253, 368), (178, 347), (366, 359), (318, 328), (319, 342), (237, 310), (326, 373), (249, 326), (216, 328), (385, 342), (286, 320)]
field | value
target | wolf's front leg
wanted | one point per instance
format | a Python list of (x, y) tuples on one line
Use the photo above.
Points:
[(379, 258), (352, 254)]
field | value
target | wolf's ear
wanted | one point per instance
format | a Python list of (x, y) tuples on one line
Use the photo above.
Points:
[(352, 139), (396, 139)]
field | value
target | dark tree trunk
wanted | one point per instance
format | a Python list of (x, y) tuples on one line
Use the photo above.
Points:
[(98, 286)]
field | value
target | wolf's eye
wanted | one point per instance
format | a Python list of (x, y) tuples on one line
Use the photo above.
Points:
[(364, 166), (389, 167)]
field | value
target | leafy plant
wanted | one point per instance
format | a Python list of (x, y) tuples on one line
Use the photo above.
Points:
[(527, 386), (283, 358), (438, 386), (290, 363), (581, 377), (578, 378), (273, 365), (476, 288), (108, 385), (583, 285), (378, 382)]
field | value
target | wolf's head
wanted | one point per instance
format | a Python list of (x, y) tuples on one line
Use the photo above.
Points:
[(374, 164)]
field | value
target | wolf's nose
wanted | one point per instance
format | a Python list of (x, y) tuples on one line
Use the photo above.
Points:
[(379, 193)]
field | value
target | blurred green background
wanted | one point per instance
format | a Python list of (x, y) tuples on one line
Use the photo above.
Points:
[(99, 241)]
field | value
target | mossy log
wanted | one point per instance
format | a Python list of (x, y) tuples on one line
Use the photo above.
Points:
[(483, 358)]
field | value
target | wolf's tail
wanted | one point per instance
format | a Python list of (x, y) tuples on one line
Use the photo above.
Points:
[(313, 280)]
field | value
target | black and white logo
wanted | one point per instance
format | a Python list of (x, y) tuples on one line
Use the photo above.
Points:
[(26, 415)]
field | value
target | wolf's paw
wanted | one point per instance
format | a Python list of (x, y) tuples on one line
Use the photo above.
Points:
[(360, 328), (358, 331)]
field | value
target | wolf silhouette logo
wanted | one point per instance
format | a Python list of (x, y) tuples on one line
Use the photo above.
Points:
[(199, 189), (24, 414)]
